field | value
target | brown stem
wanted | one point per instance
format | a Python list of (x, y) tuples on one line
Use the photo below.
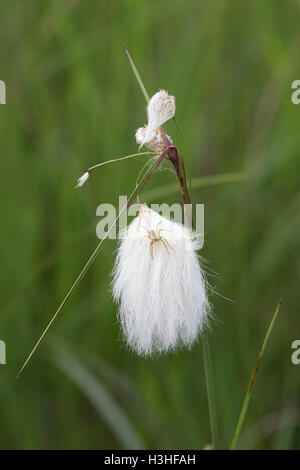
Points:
[(178, 164)]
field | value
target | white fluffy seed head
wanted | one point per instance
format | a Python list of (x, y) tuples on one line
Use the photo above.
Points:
[(82, 179), (159, 284), (160, 109), (156, 142)]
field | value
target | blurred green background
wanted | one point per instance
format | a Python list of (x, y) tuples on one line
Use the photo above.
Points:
[(72, 101)]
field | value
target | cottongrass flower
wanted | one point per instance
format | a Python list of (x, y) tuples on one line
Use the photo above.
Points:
[(156, 143), (160, 109), (82, 179), (159, 284)]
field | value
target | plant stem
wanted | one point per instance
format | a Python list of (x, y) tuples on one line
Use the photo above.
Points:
[(115, 160), (252, 381), (210, 391), (136, 73), (178, 163)]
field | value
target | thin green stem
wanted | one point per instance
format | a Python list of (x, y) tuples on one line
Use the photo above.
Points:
[(210, 391), (141, 172), (136, 73), (142, 169), (115, 160), (252, 380)]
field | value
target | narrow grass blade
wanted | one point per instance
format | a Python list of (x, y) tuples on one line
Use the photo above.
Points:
[(127, 157), (142, 170), (90, 261), (210, 392), (105, 404), (252, 380), (136, 73)]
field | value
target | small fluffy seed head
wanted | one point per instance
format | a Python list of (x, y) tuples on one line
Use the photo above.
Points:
[(160, 109), (156, 142), (82, 179), (161, 291)]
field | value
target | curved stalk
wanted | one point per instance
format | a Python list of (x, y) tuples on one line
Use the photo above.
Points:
[(115, 160)]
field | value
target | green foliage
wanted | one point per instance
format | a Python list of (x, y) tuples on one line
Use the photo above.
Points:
[(72, 101)]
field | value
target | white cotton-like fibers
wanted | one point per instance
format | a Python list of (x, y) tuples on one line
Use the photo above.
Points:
[(160, 109), (82, 179), (161, 290), (156, 142)]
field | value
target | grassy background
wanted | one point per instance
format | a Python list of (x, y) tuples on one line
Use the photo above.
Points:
[(73, 101)]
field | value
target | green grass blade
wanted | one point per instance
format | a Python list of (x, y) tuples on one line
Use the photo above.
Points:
[(252, 380), (136, 73), (102, 400), (142, 170), (210, 392)]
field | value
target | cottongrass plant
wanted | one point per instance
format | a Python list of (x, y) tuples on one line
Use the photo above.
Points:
[(157, 275), (157, 278)]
